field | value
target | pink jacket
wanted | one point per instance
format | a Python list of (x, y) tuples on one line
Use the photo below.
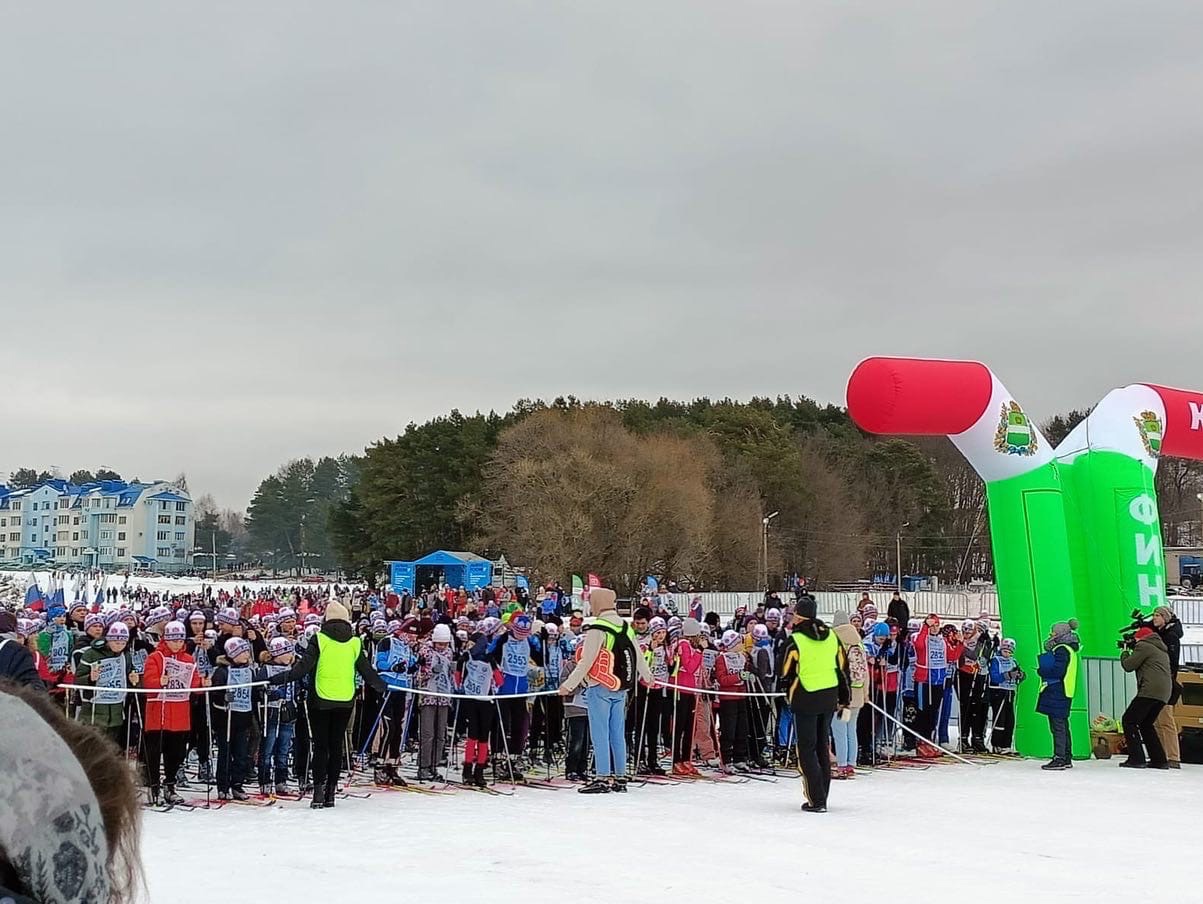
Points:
[(689, 661)]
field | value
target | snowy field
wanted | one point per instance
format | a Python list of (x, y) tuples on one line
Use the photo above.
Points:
[(1010, 832)]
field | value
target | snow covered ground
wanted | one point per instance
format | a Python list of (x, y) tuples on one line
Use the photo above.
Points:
[(1010, 832)]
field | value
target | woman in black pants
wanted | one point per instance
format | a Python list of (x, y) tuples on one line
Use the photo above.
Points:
[(333, 656)]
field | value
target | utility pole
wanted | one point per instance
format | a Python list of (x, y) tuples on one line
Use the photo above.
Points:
[(764, 523), (898, 553)]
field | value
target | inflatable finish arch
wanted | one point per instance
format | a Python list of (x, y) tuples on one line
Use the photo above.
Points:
[(1075, 530)]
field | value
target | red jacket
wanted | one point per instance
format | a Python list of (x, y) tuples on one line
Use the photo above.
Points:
[(164, 716), (728, 679)]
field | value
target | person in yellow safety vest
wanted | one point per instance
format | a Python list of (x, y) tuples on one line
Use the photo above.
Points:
[(1058, 669), (817, 686), (333, 656)]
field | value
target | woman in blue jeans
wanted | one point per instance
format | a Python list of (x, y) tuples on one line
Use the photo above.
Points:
[(609, 665)]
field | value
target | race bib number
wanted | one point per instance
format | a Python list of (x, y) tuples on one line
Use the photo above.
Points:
[(515, 657), (734, 662), (111, 675), (660, 664), (398, 653), (60, 650), (139, 659), (240, 697), (709, 658), (478, 678), (177, 676)]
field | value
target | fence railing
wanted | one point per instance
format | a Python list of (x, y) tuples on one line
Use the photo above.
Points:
[(1109, 689), (945, 603)]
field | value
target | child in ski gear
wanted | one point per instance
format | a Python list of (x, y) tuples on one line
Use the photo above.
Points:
[(649, 701), (1005, 675), (434, 674), (687, 658), (105, 709), (760, 680), (1058, 668), (168, 717), (281, 723), (576, 717), (232, 716), (931, 672), (729, 672), (481, 713)]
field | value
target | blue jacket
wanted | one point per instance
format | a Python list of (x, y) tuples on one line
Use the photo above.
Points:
[(1052, 668)]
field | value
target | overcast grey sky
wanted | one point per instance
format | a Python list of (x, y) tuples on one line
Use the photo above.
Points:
[(234, 234)]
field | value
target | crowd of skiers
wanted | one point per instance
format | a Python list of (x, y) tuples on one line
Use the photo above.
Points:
[(718, 712)]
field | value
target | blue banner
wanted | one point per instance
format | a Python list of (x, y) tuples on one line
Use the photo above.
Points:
[(480, 574), (521, 582), (402, 576)]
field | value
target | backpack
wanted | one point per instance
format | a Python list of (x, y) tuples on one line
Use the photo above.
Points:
[(614, 668), (858, 665)]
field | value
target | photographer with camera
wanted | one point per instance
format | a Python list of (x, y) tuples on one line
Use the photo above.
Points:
[(1145, 655), (1169, 629)]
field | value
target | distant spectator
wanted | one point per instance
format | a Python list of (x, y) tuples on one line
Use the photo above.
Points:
[(16, 662)]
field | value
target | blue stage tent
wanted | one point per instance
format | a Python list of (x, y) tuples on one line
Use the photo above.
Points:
[(458, 569)]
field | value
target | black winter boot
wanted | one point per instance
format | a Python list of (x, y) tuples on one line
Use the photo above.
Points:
[(319, 796), (478, 776)]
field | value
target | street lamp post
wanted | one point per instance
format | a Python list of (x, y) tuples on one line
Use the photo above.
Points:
[(764, 523), (1199, 496), (898, 553)]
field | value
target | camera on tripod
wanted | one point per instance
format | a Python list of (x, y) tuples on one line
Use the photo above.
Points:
[(1127, 634)]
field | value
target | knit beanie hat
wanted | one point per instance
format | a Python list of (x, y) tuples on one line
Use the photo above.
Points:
[(807, 608), (441, 634), (117, 631), (1165, 612), (279, 646), (1142, 633), (657, 624), (729, 640), (174, 630), (691, 627), (840, 618), (313, 619), (760, 632), (236, 646), (337, 612), (196, 615), (287, 613), (520, 627), (1007, 645), (159, 615), (56, 612), (773, 615), (93, 620), (227, 616)]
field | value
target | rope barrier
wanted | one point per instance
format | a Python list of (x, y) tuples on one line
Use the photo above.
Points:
[(423, 693), (698, 691), (92, 688)]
